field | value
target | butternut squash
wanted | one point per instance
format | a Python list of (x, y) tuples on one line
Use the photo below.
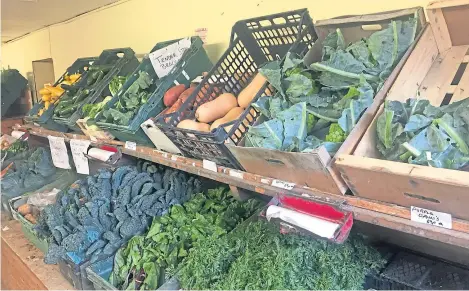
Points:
[(216, 108), (247, 95), (194, 125), (233, 114)]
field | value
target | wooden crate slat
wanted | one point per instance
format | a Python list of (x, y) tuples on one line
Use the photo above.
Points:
[(462, 90), (438, 80)]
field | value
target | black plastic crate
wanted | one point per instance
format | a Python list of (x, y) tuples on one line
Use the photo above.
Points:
[(408, 271), (253, 42)]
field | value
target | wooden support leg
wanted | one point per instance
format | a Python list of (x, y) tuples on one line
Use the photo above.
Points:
[(240, 194)]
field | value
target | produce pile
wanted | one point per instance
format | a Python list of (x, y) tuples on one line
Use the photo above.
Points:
[(74, 96), (30, 170), (224, 108), (419, 133), (129, 102), (146, 259), (14, 148), (97, 215), (259, 257), (321, 104), (51, 94)]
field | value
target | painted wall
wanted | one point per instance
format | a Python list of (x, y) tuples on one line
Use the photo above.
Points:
[(140, 24)]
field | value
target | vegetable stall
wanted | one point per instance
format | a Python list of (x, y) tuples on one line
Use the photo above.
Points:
[(312, 163)]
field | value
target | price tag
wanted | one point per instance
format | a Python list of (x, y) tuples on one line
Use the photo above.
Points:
[(59, 152), (431, 217), (202, 33), (79, 148), (283, 184), (163, 60), (236, 174), (209, 165), (130, 145)]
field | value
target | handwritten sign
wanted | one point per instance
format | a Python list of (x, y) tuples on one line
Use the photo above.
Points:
[(59, 152), (163, 60), (431, 217), (283, 184), (202, 33), (79, 148)]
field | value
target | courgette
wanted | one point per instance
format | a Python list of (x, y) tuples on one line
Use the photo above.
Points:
[(104, 68), (67, 111), (81, 95)]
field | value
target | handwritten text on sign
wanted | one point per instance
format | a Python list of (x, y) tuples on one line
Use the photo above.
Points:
[(431, 217), (79, 148), (163, 60), (59, 152)]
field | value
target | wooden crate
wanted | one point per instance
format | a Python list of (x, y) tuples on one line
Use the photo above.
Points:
[(438, 68), (317, 169)]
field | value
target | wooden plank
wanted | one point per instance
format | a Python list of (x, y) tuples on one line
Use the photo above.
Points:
[(303, 169), (462, 90), (22, 263), (415, 68), (407, 185), (440, 29), (447, 3), (456, 20), (367, 145), (371, 18), (438, 80), (263, 185)]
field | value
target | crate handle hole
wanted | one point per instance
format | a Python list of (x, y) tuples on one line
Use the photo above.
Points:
[(279, 20), (265, 23), (120, 55), (274, 161), (372, 27), (420, 197)]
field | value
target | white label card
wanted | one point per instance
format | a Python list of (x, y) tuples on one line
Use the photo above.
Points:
[(283, 184), (431, 217), (163, 60), (59, 152), (130, 145), (79, 148), (209, 165)]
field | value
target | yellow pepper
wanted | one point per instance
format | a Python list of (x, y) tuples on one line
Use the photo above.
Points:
[(44, 91), (46, 97)]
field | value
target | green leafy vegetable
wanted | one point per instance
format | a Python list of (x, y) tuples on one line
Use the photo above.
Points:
[(91, 110), (335, 90), (258, 257), (170, 237), (417, 132), (130, 101)]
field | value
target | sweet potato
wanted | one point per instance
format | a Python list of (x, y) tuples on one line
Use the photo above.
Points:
[(30, 218), (24, 209), (172, 95)]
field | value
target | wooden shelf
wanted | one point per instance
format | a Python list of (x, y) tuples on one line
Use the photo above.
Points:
[(22, 263), (375, 212)]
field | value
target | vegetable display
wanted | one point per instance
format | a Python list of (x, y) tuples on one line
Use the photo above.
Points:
[(146, 259), (96, 215), (320, 104), (259, 257), (130, 101), (74, 96), (419, 133), (31, 170), (14, 148), (50, 94)]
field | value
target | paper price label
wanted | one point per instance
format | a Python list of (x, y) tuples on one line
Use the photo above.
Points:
[(431, 217), (209, 165), (163, 60), (130, 145), (59, 152), (79, 148), (283, 184)]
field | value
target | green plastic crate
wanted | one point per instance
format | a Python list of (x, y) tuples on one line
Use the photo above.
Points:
[(192, 64), (79, 66), (13, 85), (123, 66), (62, 182)]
